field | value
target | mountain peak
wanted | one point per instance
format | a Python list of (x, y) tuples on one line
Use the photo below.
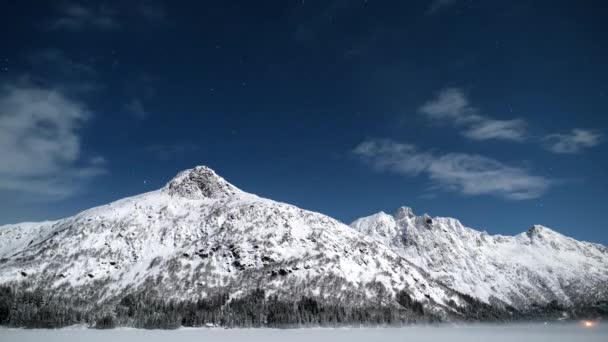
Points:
[(539, 231), (200, 182), (404, 212)]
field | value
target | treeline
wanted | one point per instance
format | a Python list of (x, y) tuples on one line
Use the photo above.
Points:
[(253, 310), (34, 309), (477, 310), (40, 309), (554, 310), (597, 309)]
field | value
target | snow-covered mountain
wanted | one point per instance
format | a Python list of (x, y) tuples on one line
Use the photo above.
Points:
[(200, 250), (199, 235), (534, 267)]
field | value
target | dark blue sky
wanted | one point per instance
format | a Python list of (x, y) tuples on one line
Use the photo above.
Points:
[(494, 112)]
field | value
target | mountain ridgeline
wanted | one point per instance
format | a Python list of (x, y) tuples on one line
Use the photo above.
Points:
[(202, 252)]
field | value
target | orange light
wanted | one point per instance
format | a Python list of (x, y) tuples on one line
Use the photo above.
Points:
[(588, 324)]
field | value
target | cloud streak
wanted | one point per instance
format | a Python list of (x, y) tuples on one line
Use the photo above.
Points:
[(437, 5), (487, 129), (40, 144), (464, 173), (452, 106), (53, 66), (77, 17), (136, 108), (571, 143), (61, 63)]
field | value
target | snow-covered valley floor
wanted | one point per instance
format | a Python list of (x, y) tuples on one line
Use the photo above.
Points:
[(511, 333)]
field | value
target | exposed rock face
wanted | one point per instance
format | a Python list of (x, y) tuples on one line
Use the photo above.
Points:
[(200, 182)]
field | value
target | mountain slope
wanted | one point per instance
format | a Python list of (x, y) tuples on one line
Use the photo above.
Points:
[(534, 267), (200, 236)]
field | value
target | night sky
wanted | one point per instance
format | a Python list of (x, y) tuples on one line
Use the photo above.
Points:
[(494, 112)]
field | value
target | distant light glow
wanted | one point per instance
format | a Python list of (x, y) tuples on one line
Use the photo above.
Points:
[(588, 324)]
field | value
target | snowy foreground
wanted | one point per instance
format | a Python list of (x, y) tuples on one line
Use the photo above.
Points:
[(516, 333)]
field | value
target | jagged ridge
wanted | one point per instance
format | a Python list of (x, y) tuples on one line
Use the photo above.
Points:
[(534, 267)]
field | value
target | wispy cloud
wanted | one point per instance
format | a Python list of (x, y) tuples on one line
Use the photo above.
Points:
[(136, 108), (153, 11), (54, 66), (387, 155), (478, 175), (58, 60), (573, 142), (487, 129), (465, 173), (452, 106), (78, 17), (40, 142), (437, 5)]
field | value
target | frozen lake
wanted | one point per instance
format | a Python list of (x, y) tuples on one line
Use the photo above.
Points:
[(514, 333)]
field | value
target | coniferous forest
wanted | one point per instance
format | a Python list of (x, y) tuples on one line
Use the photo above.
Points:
[(40, 309), (37, 309)]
